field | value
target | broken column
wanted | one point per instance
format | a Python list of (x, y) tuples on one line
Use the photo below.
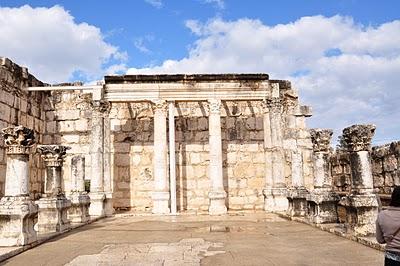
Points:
[(160, 194), (217, 193), (97, 195), (17, 210), (322, 200), (362, 203), (53, 206), (80, 201)]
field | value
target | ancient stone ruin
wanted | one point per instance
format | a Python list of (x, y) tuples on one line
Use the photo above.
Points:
[(177, 144)]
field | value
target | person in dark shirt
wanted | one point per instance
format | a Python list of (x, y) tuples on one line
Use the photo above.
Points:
[(388, 229)]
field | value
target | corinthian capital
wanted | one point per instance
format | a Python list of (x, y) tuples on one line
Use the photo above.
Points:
[(160, 106), (214, 106), (18, 140), (101, 107), (321, 139), (53, 155), (358, 137)]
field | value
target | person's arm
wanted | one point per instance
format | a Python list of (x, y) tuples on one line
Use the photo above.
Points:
[(379, 233)]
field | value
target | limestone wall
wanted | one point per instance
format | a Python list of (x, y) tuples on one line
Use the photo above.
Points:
[(19, 107), (385, 161)]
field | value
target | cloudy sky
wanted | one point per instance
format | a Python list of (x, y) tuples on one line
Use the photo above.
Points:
[(342, 55)]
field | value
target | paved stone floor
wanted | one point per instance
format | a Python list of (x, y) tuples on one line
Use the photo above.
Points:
[(251, 239)]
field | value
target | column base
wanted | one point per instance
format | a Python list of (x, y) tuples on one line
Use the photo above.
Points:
[(108, 205), (361, 213), (79, 211), (217, 203), (297, 198), (322, 207), (275, 199), (97, 208), (160, 202), (17, 219), (53, 214)]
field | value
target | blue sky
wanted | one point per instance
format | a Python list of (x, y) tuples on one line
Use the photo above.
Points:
[(343, 56)]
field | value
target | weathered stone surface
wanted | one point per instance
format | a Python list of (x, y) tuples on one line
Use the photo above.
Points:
[(358, 137)]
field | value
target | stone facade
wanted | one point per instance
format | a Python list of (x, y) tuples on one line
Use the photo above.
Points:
[(240, 144)]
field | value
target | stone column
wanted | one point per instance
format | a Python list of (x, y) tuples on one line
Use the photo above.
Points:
[(172, 163), (80, 201), (97, 195), (108, 186), (160, 194), (217, 193), (362, 204), (278, 191), (322, 200), (17, 210), (53, 207), (269, 202)]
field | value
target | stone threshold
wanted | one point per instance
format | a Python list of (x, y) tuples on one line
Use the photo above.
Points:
[(9, 252), (339, 230)]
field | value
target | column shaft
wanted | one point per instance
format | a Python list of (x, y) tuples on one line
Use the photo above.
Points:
[(161, 193), (217, 194), (172, 166)]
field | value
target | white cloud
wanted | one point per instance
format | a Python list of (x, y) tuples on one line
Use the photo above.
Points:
[(348, 72), (219, 3), (155, 3), (52, 45)]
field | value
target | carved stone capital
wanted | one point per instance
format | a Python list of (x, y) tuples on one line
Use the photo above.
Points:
[(265, 106), (53, 155), (214, 106), (358, 137), (100, 108), (160, 106), (18, 139), (321, 139), (275, 105)]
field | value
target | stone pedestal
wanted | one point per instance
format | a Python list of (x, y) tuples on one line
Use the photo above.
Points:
[(322, 206), (17, 219), (362, 204), (322, 201), (361, 213), (108, 204), (17, 210), (97, 204), (217, 193), (53, 207), (275, 199), (79, 211), (80, 200), (160, 194), (53, 215), (297, 198)]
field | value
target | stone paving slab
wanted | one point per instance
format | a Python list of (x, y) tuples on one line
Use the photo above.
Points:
[(257, 239)]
